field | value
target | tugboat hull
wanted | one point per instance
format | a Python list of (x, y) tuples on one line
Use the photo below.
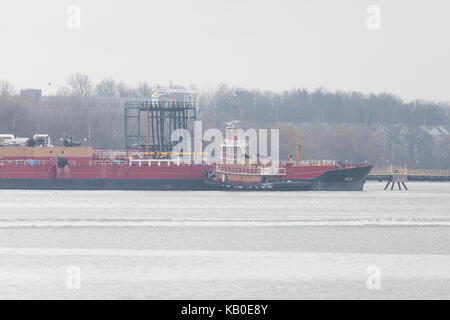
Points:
[(349, 179)]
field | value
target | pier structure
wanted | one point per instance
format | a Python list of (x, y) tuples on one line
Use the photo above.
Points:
[(412, 174), (400, 176)]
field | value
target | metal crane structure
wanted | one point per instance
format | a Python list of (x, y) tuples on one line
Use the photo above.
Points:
[(163, 114)]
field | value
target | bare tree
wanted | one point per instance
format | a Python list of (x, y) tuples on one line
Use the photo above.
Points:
[(358, 127), (64, 92), (106, 88), (80, 85), (6, 88), (125, 91), (144, 90)]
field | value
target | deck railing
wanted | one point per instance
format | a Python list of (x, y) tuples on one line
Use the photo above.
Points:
[(25, 162), (108, 163), (266, 171), (410, 172), (418, 172), (308, 163), (109, 154), (317, 163)]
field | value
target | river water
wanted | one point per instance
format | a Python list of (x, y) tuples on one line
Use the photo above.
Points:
[(373, 244)]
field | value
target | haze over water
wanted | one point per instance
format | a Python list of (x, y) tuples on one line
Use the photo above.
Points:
[(207, 245)]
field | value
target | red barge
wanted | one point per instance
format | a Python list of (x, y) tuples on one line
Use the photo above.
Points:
[(94, 169), (86, 168), (39, 165)]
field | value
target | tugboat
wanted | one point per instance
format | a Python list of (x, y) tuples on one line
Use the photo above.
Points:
[(236, 171)]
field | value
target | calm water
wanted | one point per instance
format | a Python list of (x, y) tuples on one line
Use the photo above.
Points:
[(207, 245)]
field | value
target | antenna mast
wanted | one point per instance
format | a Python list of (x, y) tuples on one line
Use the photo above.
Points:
[(299, 147)]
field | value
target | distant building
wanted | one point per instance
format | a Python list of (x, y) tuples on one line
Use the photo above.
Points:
[(438, 133), (31, 95), (327, 127)]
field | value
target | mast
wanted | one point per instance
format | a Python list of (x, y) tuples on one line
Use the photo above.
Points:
[(14, 121), (299, 146), (236, 107)]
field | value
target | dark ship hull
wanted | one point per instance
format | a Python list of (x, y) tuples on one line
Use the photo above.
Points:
[(103, 184)]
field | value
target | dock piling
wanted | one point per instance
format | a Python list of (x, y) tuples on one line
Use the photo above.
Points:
[(395, 176)]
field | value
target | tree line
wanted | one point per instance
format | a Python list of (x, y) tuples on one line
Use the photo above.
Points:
[(333, 125)]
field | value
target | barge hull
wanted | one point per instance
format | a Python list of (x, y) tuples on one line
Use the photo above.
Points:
[(103, 184), (349, 179)]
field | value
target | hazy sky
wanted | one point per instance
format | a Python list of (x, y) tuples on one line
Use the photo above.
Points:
[(255, 44)]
